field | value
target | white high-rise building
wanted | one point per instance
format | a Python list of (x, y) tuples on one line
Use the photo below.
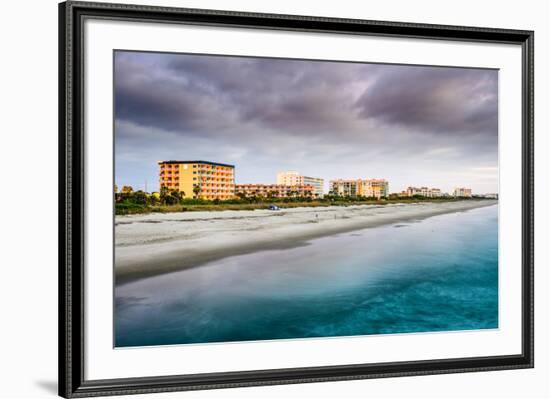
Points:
[(293, 178), (289, 178), (462, 192), (423, 191)]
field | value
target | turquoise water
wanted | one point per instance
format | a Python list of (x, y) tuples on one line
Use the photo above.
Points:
[(437, 274)]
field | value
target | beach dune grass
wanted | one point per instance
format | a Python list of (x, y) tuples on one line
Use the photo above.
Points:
[(130, 208)]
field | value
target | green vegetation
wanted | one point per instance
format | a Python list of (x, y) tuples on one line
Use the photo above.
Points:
[(130, 202), (129, 208)]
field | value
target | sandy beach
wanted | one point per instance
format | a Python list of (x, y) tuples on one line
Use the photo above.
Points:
[(147, 245)]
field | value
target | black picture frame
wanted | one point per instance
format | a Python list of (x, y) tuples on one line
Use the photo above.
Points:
[(71, 200)]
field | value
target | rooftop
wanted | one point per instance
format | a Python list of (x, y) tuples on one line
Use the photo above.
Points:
[(272, 185), (357, 180), (198, 162)]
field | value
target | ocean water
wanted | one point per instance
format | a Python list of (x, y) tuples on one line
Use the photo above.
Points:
[(436, 274)]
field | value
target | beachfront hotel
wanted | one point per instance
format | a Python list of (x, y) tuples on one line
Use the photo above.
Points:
[(293, 178), (422, 191), (274, 190), (377, 188), (198, 179), (462, 192)]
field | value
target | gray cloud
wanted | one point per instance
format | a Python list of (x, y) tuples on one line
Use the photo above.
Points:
[(442, 100), (264, 115)]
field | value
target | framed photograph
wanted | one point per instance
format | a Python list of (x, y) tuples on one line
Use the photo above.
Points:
[(253, 199)]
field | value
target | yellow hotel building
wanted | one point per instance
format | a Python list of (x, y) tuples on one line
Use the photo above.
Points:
[(198, 179)]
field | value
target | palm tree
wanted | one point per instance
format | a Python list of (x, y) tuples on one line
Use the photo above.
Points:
[(164, 193), (196, 190)]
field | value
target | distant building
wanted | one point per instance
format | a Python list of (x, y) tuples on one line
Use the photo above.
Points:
[(274, 190), (423, 191), (491, 196), (377, 188), (462, 192), (344, 188), (293, 178), (198, 179)]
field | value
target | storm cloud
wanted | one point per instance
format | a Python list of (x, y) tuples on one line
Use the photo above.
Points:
[(447, 100), (413, 125)]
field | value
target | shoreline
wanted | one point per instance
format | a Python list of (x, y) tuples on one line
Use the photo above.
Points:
[(154, 244)]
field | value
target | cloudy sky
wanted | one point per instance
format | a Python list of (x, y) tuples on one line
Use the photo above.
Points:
[(412, 125)]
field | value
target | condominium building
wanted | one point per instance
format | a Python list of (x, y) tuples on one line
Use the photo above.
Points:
[(344, 188), (377, 188), (423, 191), (274, 190), (198, 179), (462, 192), (293, 178)]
